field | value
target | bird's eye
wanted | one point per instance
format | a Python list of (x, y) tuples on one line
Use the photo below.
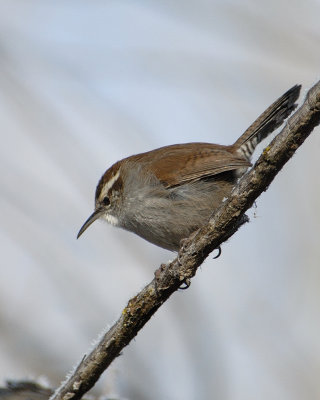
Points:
[(106, 201)]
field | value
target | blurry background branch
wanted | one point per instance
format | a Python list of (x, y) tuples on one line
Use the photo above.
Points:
[(169, 277), (22, 390)]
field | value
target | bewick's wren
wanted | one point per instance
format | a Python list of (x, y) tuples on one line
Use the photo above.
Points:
[(165, 194)]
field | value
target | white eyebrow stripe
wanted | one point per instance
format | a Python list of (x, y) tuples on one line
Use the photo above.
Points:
[(109, 184)]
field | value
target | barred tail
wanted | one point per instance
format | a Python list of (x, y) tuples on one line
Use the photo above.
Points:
[(268, 121)]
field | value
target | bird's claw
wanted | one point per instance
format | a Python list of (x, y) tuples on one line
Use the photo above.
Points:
[(185, 284), (219, 252)]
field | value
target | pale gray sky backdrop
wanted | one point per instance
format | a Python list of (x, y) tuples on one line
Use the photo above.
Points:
[(83, 84)]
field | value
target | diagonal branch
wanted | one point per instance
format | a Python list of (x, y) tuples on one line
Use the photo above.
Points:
[(168, 278)]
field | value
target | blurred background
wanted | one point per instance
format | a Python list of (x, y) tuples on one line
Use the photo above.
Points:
[(84, 84)]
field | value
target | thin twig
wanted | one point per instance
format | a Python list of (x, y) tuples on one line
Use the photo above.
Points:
[(223, 224)]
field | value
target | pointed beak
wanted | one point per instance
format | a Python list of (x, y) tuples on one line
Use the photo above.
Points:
[(95, 215)]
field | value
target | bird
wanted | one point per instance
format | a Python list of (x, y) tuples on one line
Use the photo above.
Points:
[(166, 194)]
